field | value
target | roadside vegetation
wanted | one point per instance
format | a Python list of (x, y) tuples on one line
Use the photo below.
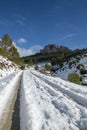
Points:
[(75, 78)]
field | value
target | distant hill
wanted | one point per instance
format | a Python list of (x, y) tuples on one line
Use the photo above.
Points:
[(53, 53), (48, 53), (53, 48)]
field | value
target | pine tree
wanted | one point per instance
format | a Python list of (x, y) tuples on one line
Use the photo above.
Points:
[(7, 45), (10, 49), (13, 54), (6, 42)]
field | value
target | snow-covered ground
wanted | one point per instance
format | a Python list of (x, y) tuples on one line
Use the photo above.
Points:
[(48, 103)]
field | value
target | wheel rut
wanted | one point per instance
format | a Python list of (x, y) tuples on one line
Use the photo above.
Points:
[(16, 114)]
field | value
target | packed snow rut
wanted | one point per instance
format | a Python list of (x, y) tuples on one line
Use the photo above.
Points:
[(8, 93), (44, 107)]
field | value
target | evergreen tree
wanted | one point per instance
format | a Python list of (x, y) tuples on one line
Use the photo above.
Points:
[(9, 50), (13, 54), (8, 46), (6, 42), (3, 52)]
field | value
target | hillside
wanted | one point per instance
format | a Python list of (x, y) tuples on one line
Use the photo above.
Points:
[(62, 60), (74, 65), (54, 54), (7, 67), (49, 53)]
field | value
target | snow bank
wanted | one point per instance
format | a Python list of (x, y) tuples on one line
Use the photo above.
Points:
[(7, 67)]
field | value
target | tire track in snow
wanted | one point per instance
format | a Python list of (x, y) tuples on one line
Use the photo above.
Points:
[(6, 114), (16, 114), (77, 98), (82, 123), (56, 88)]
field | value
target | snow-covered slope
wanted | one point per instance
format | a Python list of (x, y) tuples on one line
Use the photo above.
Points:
[(7, 67), (49, 103), (73, 65)]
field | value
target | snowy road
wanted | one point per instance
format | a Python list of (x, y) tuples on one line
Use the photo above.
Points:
[(46, 103), (52, 104)]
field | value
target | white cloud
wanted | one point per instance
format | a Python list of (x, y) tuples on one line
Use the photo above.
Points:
[(5, 22), (69, 36), (22, 40), (20, 22), (30, 51), (25, 52)]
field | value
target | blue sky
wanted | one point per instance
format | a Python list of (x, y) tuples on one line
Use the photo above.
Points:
[(35, 23)]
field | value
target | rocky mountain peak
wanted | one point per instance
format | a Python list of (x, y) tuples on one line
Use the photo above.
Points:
[(53, 48)]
